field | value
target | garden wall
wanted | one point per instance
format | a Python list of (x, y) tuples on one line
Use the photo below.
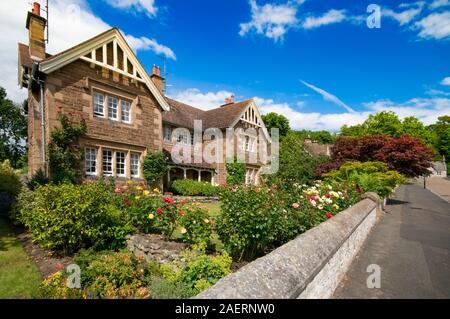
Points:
[(310, 266)]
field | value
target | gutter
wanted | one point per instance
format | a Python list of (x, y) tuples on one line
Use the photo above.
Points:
[(35, 78)]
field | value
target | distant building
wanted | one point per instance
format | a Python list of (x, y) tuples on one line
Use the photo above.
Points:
[(317, 149)]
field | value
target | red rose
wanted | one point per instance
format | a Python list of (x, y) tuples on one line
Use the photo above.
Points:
[(167, 199), (159, 210), (328, 215)]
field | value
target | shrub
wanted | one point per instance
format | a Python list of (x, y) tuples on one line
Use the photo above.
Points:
[(113, 275), (187, 187), (149, 211), (55, 287), (38, 179), (235, 172), (197, 269), (69, 217), (160, 288), (9, 179), (370, 176), (23, 206), (64, 152), (407, 155), (196, 225), (154, 166), (256, 219)]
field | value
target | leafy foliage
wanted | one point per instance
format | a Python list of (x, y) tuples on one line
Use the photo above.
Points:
[(370, 176), (65, 154), (274, 120), (321, 137), (149, 211), (235, 172), (388, 123), (196, 269), (69, 217), (296, 164), (13, 130), (9, 179), (188, 187), (38, 179), (406, 154), (256, 219), (154, 166)]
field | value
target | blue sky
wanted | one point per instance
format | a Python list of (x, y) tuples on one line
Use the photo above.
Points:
[(315, 61)]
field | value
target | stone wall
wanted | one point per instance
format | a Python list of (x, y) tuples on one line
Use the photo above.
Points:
[(153, 247), (310, 266)]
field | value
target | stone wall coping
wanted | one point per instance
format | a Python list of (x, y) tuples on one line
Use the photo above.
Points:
[(285, 272)]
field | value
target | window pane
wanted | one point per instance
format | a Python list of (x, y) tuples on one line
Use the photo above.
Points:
[(107, 162), (90, 157), (126, 106), (112, 107), (167, 133), (120, 163), (134, 165), (99, 101)]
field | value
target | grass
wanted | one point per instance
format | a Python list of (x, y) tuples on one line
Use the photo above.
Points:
[(19, 276)]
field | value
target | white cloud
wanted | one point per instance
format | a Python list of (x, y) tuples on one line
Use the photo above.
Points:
[(403, 17), (438, 4), (144, 43), (271, 20), (204, 101), (329, 97), (446, 81), (69, 25), (435, 92), (330, 17), (434, 26), (147, 6)]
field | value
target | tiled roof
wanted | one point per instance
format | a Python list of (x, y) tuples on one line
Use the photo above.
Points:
[(25, 57), (221, 117)]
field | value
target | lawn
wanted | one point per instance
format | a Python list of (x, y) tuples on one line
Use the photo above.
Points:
[(19, 276)]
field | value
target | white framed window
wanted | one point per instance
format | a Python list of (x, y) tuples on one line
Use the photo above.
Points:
[(126, 107), (99, 104), (113, 106), (167, 133), (183, 138), (107, 162), (120, 164), (134, 165), (90, 161)]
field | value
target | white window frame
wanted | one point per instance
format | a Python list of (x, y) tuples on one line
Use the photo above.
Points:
[(117, 163), (112, 162), (184, 139), (167, 133), (96, 105), (125, 111), (133, 164), (111, 109), (88, 159)]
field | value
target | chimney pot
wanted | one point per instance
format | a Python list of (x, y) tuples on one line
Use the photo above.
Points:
[(226, 100), (37, 8), (159, 70), (232, 99), (155, 71)]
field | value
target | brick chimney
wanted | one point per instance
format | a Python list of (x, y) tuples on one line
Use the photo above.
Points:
[(36, 27), (157, 79)]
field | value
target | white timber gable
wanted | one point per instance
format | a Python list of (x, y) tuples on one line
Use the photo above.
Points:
[(97, 51)]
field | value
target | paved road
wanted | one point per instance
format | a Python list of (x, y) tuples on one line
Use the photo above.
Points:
[(411, 244)]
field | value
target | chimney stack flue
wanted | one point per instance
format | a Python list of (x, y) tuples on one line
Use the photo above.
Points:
[(227, 100), (232, 99), (37, 8)]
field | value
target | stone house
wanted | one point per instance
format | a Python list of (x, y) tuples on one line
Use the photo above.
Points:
[(125, 108)]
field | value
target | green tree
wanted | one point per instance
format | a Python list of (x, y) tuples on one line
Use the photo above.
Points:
[(413, 127), (13, 131), (296, 164), (235, 172), (383, 123), (321, 137), (154, 166), (274, 120)]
